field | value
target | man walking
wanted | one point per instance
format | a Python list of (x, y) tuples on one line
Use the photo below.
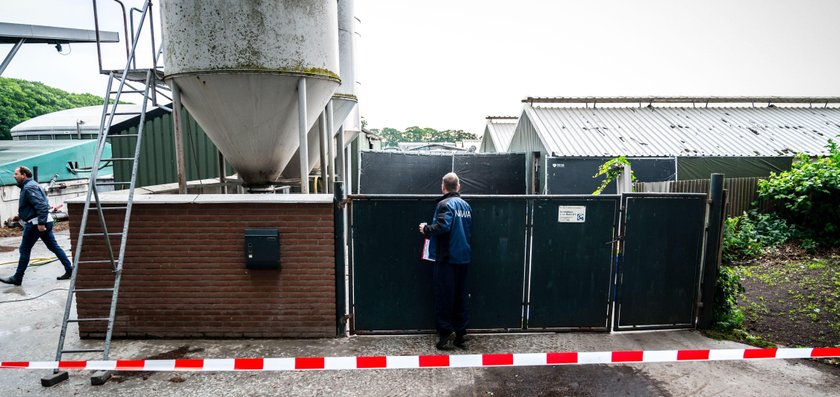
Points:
[(34, 212), (448, 246)]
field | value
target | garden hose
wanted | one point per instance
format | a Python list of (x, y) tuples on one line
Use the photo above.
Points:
[(33, 262)]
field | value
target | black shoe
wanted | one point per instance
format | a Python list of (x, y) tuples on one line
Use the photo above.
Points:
[(66, 275), (460, 342), (443, 343), (11, 280)]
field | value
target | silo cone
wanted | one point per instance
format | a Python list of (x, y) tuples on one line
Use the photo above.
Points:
[(344, 99), (238, 65)]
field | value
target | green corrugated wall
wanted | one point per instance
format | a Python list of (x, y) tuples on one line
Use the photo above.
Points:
[(157, 156)]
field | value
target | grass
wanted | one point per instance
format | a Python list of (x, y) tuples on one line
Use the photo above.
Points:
[(792, 299)]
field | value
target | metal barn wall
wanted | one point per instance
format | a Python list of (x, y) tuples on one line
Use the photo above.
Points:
[(525, 138)]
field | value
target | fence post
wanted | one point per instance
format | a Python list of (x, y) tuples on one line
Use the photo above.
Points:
[(338, 232), (712, 250)]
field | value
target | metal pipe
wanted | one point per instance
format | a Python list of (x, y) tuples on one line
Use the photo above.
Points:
[(330, 145), (98, 43), (342, 169), (322, 142), (222, 172), (131, 19), (304, 155), (180, 162), (125, 28), (152, 34), (11, 55)]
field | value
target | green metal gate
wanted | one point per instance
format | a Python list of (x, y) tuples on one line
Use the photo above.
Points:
[(571, 262), (539, 262), (658, 273)]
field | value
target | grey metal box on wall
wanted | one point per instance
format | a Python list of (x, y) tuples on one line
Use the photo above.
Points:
[(262, 248)]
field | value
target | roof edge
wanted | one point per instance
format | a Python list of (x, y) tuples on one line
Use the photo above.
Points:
[(683, 99)]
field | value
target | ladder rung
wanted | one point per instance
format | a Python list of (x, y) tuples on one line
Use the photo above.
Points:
[(112, 183), (122, 135), (83, 351), (125, 113), (93, 290), (97, 261), (118, 159), (109, 208), (129, 91), (80, 320), (101, 234)]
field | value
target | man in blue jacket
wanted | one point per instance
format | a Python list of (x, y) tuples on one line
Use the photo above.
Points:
[(34, 212), (448, 246)]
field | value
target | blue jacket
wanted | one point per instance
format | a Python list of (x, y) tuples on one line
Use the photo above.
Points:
[(450, 231), (33, 202)]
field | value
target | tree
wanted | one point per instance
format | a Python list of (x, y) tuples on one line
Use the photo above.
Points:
[(419, 134), (21, 100)]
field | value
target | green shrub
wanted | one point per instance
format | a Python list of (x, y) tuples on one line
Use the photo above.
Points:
[(747, 236), (770, 229), (809, 195), (727, 316), (740, 240), (808, 245)]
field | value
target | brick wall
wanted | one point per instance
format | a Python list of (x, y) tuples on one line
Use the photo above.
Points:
[(185, 275)]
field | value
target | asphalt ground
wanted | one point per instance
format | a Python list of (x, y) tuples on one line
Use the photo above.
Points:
[(29, 330)]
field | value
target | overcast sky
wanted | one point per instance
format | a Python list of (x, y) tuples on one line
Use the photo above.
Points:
[(448, 64)]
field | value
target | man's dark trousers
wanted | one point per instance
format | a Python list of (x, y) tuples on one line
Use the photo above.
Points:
[(450, 288), (30, 237)]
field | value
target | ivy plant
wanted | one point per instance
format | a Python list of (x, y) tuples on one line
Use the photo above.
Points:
[(611, 170)]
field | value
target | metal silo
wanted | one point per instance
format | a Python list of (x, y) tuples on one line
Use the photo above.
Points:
[(239, 68), (345, 97), (344, 100)]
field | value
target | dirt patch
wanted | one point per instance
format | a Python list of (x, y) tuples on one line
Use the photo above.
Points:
[(16, 231), (792, 297)]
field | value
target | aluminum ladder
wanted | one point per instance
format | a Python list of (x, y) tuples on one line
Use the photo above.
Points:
[(122, 79)]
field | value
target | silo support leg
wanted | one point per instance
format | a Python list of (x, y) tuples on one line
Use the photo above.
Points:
[(303, 149)]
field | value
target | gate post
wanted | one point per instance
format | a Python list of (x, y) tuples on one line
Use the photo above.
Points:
[(338, 232), (712, 250)]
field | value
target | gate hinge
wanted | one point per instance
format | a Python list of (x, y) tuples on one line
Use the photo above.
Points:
[(344, 203)]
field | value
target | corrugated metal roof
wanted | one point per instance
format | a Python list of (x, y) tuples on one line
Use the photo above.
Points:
[(682, 131), (500, 132), (65, 120)]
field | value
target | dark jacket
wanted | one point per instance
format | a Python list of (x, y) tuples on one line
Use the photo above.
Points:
[(450, 231), (33, 202)]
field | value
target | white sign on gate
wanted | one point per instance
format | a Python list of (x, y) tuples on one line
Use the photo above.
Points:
[(571, 214)]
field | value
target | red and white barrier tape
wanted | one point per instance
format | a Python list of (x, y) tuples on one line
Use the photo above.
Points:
[(434, 361)]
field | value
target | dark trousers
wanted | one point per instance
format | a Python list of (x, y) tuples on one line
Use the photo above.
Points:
[(450, 288), (30, 237)]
